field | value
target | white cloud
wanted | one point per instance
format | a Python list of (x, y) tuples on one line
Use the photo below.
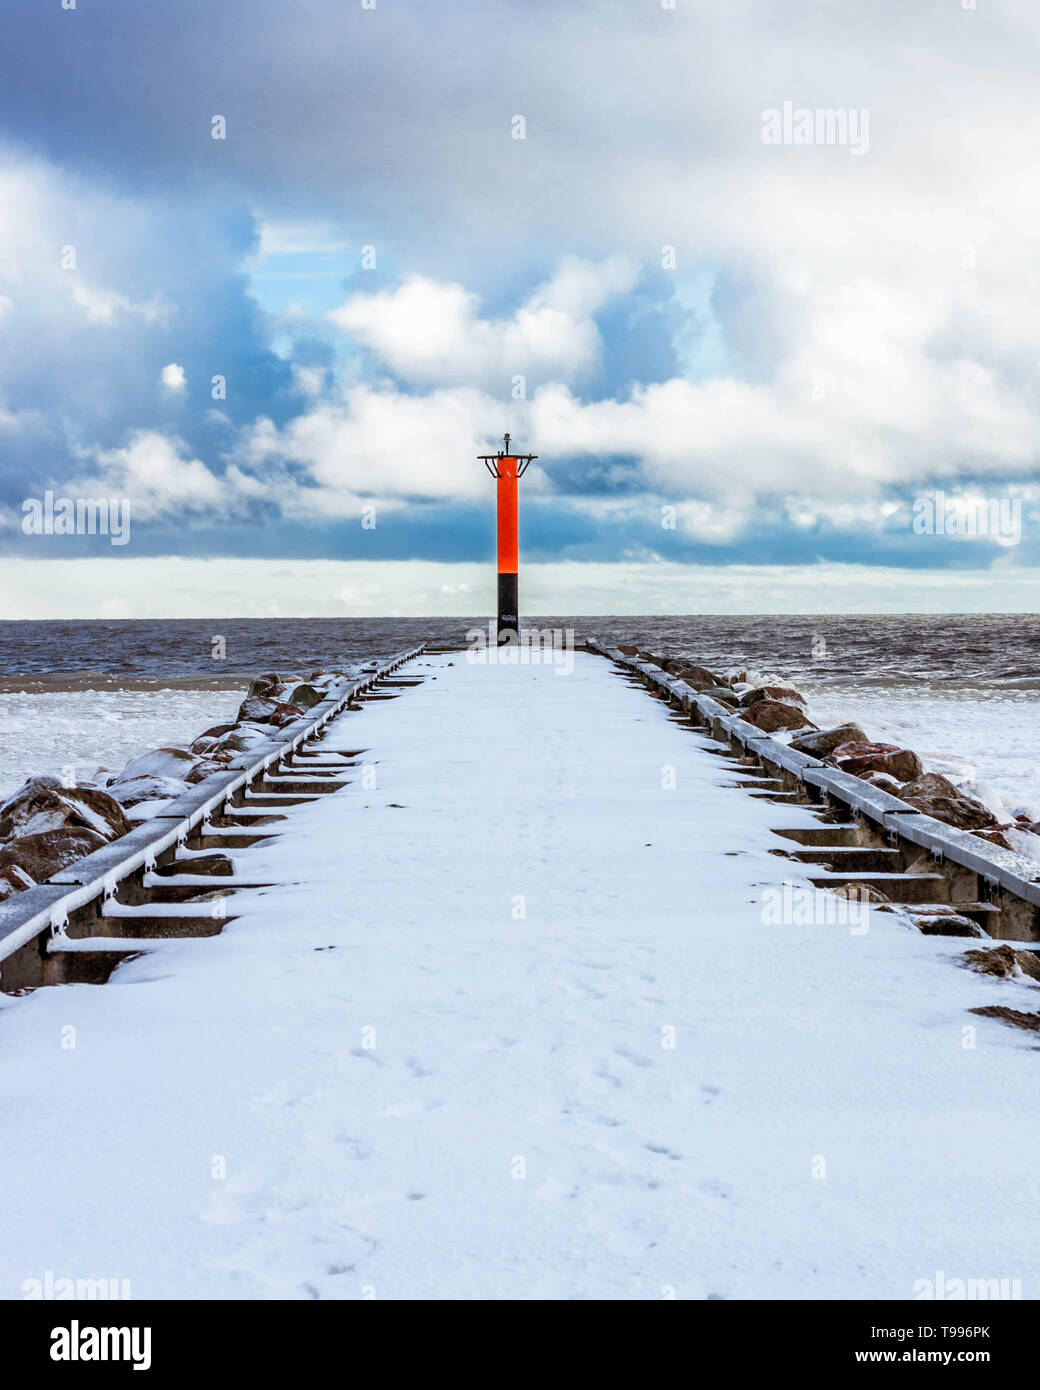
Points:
[(154, 472), (432, 334), (172, 377)]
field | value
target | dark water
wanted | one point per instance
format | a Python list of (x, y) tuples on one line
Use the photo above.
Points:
[(976, 650)]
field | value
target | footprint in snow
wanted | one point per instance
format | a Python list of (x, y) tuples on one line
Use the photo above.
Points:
[(368, 1055), (664, 1150), (636, 1058)]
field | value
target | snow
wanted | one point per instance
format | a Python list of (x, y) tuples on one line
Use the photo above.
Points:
[(436, 1064), (983, 740), (91, 729)]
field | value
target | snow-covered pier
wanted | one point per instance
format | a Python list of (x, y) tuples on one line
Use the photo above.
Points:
[(518, 1005)]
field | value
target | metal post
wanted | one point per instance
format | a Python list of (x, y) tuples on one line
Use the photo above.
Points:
[(507, 468)]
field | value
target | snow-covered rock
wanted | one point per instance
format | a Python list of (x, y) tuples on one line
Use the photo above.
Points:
[(819, 745), (860, 758), (14, 879), (41, 854), (936, 796), (42, 804), (778, 690), (769, 715)]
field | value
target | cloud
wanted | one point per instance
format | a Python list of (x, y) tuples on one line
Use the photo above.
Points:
[(172, 377), (432, 334), (867, 330)]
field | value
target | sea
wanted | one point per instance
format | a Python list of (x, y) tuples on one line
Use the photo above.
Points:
[(962, 689)]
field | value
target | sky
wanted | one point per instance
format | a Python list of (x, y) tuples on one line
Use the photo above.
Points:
[(754, 282)]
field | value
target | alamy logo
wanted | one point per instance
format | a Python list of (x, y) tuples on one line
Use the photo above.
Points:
[(56, 1287), (830, 125), (78, 1343), (77, 516), (1000, 518), (942, 1287), (546, 646), (792, 906)]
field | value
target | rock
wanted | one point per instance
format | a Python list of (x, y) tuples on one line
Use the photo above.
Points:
[(858, 758), (147, 788), (217, 762), (995, 835), (160, 775), (284, 714), (723, 694), (43, 804), (948, 924), (264, 711), (210, 738), (160, 762), (936, 796), (305, 696), (785, 694), (1003, 961), (859, 893), (1006, 1015), (883, 780), (42, 854), (269, 686), (770, 715), (241, 738), (14, 879), (692, 674), (818, 745)]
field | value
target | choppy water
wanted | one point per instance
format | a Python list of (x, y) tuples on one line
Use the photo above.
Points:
[(986, 651), (962, 690)]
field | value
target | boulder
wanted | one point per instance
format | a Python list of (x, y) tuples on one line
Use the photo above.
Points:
[(210, 738), (14, 880), (305, 696), (43, 804), (995, 835), (241, 738), (818, 745), (948, 924), (147, 788), (692, 674), (860, 758), (785, 694), (156, 776), (216, 762), (722, 693), (882, 780), (44, 853), (269, 686), (936, 796), (257, 710), (859, 893), (770, 715)]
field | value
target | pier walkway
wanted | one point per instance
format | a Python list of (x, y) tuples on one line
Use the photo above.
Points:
[(512, 1022)]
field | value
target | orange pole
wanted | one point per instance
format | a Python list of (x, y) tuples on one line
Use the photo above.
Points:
[(508, 597)]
